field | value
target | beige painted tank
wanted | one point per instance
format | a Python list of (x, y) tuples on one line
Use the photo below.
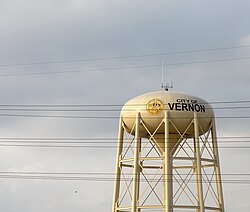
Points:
[(181, 107)]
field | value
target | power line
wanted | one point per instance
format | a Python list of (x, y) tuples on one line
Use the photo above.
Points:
[(105, 173), (105, 179), (125, 57), (97, 140), (94, 138), (28, 143), (102, 110), (110, 105), (99, 147), (125, 67), (104, 143), (108, 117), (100, 141)]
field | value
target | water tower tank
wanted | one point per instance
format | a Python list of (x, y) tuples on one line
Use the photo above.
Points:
[(181, 108)]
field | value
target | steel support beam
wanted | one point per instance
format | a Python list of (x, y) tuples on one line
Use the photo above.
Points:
[(198, 164), (168, 179), (217, 167), (118, 166), (136, 179)]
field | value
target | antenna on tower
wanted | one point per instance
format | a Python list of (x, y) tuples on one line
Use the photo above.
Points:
[(167, 85)]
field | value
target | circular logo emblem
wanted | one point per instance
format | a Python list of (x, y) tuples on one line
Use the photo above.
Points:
[(154, 106)]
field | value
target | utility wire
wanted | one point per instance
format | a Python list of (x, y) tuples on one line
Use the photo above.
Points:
[(111, 105), (105, 173), (105, 179), (108, 176), (102, 110), (99, 142), (127, 67), (222, 139), (108, 117), (125, 57), (104, 143), (100, 147), (94, 138)]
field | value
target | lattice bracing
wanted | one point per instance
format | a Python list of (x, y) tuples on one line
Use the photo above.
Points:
[(165, 172)]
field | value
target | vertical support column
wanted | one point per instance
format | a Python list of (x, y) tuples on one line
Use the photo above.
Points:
[(135, 194), (167, 175), (198, 164), (118, 167), (217, 167), (139, 172)]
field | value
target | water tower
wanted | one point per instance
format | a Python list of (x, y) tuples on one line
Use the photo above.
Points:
[(167, 155)]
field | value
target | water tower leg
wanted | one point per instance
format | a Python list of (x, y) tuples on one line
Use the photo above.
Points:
[(168, 179), (135, 194), (118, 167), (217, 168), (198, 164)]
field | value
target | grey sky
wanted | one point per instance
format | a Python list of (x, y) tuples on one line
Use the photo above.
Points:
[(60, 30)]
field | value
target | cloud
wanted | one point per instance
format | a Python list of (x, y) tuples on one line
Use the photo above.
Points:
[(245, 40), (33, 31)]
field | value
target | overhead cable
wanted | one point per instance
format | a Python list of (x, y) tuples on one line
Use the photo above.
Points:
[(110, 105), (108, 117), (125, 57), (102, 110), (105, 179), (135, 68)]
